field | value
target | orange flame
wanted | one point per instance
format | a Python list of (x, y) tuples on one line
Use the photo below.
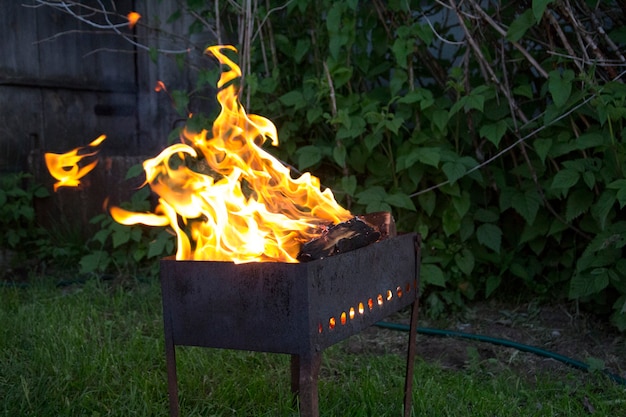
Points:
[(133, 18), (64, 167), (225, 197)]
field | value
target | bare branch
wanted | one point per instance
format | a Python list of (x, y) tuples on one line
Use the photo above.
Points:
[(73, 9)]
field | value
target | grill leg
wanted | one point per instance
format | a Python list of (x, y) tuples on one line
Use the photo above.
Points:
[(410, 361), (172, 381), (305, 371)]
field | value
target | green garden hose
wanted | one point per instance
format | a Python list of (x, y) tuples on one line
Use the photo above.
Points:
[(501, 342)]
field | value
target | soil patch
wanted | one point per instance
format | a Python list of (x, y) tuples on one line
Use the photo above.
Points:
[(553, 328)]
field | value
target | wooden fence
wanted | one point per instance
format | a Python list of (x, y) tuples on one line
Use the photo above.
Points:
[(64, 83)]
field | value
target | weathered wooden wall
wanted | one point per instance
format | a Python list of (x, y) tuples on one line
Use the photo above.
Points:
[(64, 83)]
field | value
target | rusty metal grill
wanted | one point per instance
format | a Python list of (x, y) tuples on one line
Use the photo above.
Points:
[(297, 309)]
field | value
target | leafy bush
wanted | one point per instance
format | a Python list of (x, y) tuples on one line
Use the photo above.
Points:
[(495, 131), (127, 249), (19, 231)]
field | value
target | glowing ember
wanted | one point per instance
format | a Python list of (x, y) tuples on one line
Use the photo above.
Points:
[(65, 167), (133, 18), (225, 197)]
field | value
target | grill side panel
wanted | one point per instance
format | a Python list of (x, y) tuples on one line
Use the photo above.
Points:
[(258, 307)]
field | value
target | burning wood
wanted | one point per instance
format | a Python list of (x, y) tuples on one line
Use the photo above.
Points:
[(353, 234)]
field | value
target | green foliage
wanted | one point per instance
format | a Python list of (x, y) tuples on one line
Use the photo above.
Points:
[(127, 249), (19, 231), (499, 142)]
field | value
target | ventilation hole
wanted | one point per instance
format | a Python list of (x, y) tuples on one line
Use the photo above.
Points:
[(399, 291), (389, 295), (351, 313), (370, 304), (320, 328), (380, 299), (361, 308), (331, 323), (343, 318)]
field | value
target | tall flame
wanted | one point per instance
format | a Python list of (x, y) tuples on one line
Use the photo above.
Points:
[(225, 197), (65, 167)]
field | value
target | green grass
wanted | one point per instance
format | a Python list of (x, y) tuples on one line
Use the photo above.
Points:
[(96, 349)]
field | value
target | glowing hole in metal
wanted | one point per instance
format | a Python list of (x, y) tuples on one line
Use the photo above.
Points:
[(399, 291), (408, 287), (331, 323), (320, 328), (380, 299), (361, 308), (343, 318), (370, 304), (351, 313), (389, 295)]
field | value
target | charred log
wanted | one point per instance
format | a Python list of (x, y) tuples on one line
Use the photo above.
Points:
[(344, 237)]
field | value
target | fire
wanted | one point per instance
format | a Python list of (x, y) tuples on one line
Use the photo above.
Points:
[(65, 167), (225, 197), (133, 18)]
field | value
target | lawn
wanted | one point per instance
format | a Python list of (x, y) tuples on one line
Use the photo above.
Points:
[(95, 348)]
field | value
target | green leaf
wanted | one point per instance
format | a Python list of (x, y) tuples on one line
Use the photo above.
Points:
[(134, 171), (102, 235), (335, 44), (429, 156), (308, 156), (40, 192), (440, 119), (620, 186), (427, 201), (301, 49), (158, 247), (465, 261), (539, 7), (589, 178), (451, 221), (490, 235), (486, 216), (181, 102), (348, 184), (121, 236), (492, 284), (95, 261), (527, 204), (432, 274), (560, 86), (374, 194), (394, 124), (462, 203), (494, 132), (601, 209), (372, 140), (425, 155), (339, 155), (294, 98), (333, 17), (475, 101), (153, 53), (313, 114), (578, 202), (520, 25), (401, 49), (588, 283), (565, 179), (401, 200), (453, 171)]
